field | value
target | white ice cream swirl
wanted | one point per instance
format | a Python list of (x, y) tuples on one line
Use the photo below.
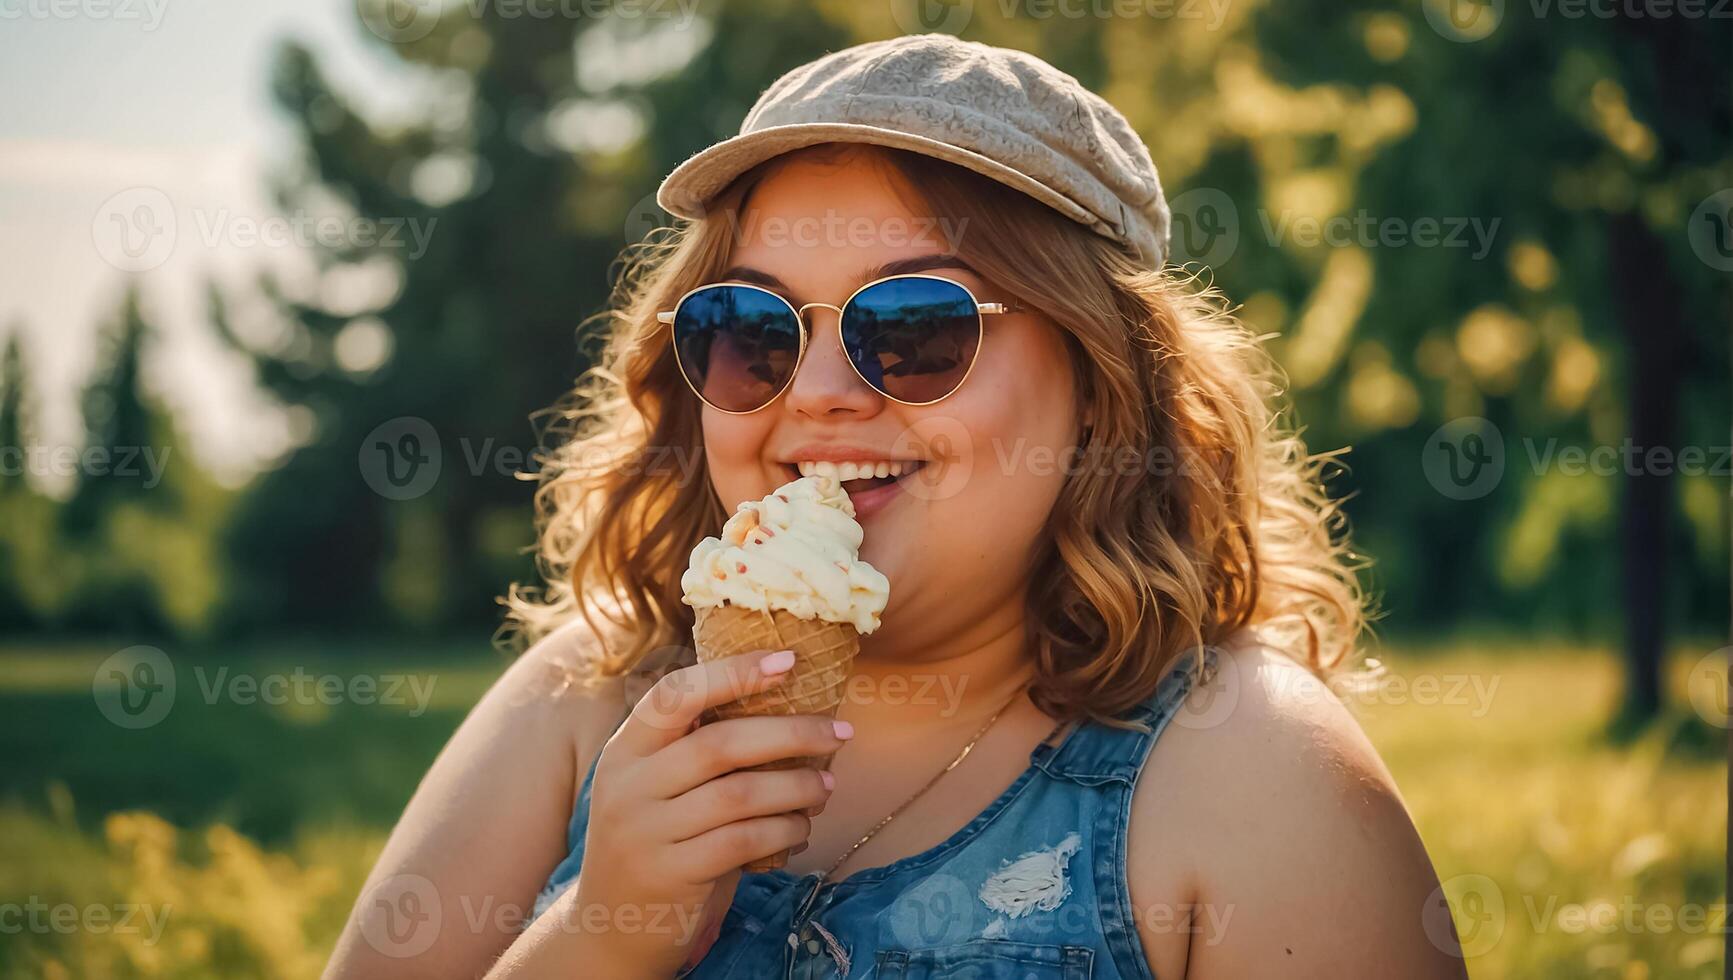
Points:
[(798, 550)]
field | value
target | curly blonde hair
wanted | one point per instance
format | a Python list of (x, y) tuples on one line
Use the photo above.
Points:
[(1196, 514)]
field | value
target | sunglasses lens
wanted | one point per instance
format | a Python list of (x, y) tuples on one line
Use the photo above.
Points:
[(738, 345), (913, 338)]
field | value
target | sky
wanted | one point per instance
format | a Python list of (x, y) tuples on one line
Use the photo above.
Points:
[(120, 119)]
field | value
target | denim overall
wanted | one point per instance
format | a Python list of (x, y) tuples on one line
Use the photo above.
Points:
[(1033, 888)]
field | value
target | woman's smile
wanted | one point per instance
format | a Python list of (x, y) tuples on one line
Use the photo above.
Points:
[(872, 480)]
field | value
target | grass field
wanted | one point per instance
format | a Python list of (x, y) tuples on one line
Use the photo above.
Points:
[(229, 838)]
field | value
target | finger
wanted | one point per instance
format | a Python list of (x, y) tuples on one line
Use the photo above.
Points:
[(739, 743), (740, 795), (672, 705), (716, 852)]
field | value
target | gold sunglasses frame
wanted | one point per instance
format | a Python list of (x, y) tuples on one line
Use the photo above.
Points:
[(982, 310)]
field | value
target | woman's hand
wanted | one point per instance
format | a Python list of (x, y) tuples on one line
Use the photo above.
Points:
[(672, 821)]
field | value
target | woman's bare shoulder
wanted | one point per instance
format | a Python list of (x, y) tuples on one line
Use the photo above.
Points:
[(555, 678), (516, 757), (1265, 808)]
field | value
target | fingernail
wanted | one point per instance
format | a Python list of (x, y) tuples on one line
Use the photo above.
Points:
[(797, 849), (776, 663), (843, 729), (829, 780)]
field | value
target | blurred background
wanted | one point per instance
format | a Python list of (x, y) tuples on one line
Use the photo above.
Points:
[(284, 285)]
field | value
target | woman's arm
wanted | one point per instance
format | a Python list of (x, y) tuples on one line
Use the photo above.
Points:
[(461, 870), (1269, 814)]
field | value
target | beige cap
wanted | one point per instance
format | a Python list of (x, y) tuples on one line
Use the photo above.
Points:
[(999, 112)]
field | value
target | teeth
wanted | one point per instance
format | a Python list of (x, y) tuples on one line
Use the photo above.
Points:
[(854, 471)]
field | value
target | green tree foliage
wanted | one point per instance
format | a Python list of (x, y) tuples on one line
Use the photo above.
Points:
[(14, 405), (1445, 210), (528, 170), (27, 518), (1431, 223), (133, 547), (118, 424)]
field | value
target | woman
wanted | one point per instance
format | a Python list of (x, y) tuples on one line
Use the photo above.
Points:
[(1113, 577)]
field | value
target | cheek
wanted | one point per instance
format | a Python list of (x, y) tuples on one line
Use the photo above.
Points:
[(1021, 416), (733, 454), (1018, 413)]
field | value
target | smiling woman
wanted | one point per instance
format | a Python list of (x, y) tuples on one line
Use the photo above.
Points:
[(976, 393)]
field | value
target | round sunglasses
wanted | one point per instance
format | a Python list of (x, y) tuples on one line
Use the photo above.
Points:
[(913, 338)]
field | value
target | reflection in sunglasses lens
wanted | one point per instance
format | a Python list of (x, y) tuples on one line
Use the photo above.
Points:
[(737, 344), (913, 338)]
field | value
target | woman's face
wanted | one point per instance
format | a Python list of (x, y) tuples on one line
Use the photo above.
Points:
[(955, 535)]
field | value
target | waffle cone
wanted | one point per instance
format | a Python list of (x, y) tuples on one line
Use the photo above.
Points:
[(824, 654)]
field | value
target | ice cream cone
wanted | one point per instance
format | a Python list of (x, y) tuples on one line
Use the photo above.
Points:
[(824, 654), (786, 574)]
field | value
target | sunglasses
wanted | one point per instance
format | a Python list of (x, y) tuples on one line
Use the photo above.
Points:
[(913, 338)]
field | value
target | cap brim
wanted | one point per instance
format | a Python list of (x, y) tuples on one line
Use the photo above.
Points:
[(687, 191)]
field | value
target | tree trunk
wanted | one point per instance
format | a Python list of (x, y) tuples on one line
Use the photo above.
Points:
[(1647, 301)]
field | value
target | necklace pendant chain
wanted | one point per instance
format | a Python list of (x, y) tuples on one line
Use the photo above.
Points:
[(824, 875)]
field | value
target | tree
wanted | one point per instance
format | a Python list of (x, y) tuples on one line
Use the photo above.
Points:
[(527, 175), (14, 406), (119, 425), (1575, 314), (133, 548)]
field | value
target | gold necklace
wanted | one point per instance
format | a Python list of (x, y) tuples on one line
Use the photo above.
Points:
[(826, 873)]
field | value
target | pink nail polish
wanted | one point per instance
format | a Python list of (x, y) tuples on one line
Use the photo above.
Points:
[(829, 780), (843, 729), (776, 663)]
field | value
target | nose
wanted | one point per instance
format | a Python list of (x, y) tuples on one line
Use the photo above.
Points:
[(826, 385)]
